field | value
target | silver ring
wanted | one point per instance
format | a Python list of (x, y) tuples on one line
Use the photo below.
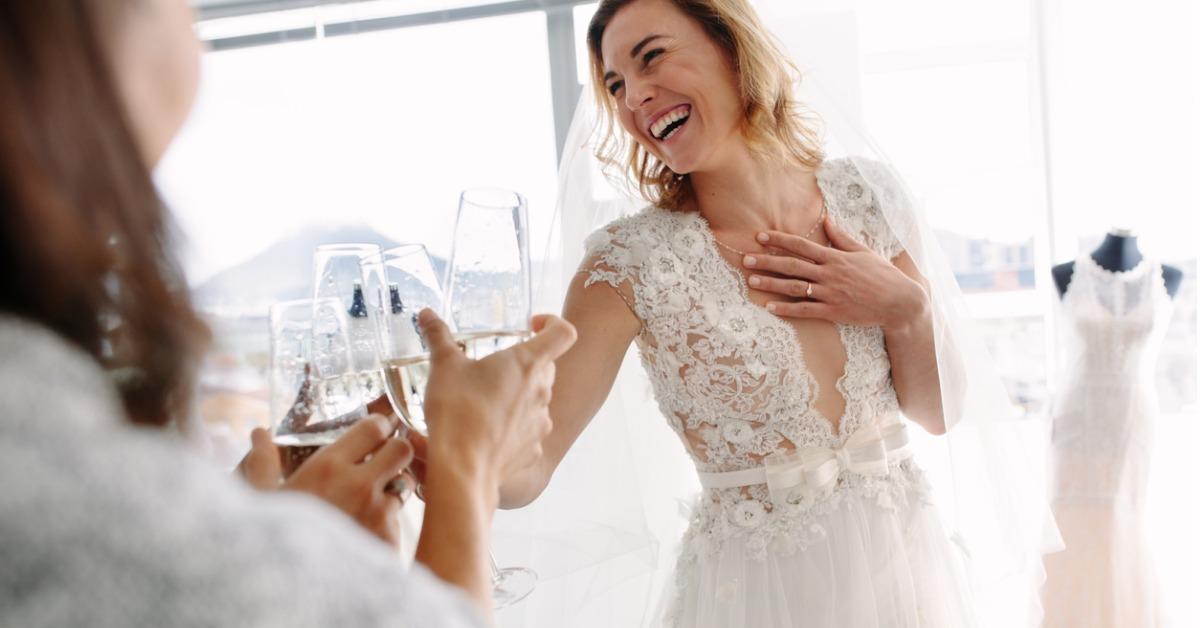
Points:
[(808, 290), (398, 488)]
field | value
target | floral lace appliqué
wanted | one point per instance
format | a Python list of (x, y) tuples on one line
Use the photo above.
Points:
[(731, 378)]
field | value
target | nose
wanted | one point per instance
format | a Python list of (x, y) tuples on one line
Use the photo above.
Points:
[(638, 93)]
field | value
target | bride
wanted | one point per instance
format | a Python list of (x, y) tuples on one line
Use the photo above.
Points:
[(782, 323)]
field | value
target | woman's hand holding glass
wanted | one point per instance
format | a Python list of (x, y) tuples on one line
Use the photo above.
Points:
[(486, 420), (357, 473), (493, 411)]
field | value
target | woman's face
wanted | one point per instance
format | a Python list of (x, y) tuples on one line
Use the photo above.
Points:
[(675, 91), (157, 63)]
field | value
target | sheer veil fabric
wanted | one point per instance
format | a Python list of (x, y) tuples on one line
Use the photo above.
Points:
[(603, 537)]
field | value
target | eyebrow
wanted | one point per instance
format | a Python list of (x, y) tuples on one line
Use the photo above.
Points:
[(642, 44), (634, 53)]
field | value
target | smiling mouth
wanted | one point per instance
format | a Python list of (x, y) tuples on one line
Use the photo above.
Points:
[(670, 123)]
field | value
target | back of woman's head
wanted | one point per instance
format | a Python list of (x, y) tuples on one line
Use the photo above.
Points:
[(83, 233)]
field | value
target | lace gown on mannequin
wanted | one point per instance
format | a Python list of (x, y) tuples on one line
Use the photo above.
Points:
[(1103, 417), (864, 548)]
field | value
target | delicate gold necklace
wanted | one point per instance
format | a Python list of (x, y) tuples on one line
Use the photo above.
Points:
[(824, 210)]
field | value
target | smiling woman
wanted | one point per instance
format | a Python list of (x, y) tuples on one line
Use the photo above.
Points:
[(753, 95), (800, 334)]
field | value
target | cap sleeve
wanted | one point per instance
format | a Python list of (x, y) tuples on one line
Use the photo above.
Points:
[(613, 256), (857, 192)]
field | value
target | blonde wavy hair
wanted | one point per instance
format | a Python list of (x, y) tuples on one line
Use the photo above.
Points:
[(774, 124)]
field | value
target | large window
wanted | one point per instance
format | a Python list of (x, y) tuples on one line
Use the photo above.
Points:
[(1001, 129), (967, 88), (369, 137)]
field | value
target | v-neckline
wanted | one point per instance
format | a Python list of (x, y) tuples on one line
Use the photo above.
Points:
[(836, 432)]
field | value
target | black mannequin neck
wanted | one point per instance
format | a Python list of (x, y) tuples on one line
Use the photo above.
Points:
[(1117, 253)]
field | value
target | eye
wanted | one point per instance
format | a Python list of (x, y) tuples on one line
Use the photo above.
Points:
[(614, 86), (651, 55)]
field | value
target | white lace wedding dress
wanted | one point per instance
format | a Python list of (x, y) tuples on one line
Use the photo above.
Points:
[(800, 524), (1103, 418)]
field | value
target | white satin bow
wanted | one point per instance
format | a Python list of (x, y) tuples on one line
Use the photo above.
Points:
[(792, 476), (807, 471)]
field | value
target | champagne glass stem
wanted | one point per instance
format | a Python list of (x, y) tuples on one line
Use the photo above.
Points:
[(495, 568)]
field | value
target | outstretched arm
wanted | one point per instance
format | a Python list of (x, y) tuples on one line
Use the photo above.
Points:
[(584, 376)]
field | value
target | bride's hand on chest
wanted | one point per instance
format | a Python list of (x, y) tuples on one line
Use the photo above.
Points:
[(844, 282)]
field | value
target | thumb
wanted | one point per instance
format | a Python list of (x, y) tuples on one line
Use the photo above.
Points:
[(840, 238), (420, 445), (539, 321), (261, 466), (437, 335), (554, 336)]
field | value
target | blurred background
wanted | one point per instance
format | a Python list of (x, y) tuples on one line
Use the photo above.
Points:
[(1027, 128)]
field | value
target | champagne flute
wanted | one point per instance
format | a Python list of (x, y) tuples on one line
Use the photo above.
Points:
[(488, 297), (337, 275), (311, 403), (399, 283), (488, 278)]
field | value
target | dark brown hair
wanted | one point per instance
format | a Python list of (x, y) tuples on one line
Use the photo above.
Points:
[(774, 124), (83, 234)]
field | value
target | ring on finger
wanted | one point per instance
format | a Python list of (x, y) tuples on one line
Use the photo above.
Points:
[(399, 488), (808, 290)]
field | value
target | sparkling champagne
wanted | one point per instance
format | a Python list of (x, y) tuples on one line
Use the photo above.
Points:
[(405, 380), (481, 344), (294, 449), (344, 395)]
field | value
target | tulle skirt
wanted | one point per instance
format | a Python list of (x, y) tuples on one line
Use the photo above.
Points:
[(873, 567)]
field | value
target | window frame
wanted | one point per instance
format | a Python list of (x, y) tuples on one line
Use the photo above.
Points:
[(560, 35)]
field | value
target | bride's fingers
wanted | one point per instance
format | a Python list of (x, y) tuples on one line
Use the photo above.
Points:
[(796, 244), (841, 238), (785, 265), (787, 287), (802, 309)]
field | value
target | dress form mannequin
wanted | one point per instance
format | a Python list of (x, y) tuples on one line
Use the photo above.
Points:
[(1118, 252), (1112, 320)]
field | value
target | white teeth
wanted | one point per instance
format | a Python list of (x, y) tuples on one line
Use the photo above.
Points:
[(667, 120), (661, 124)]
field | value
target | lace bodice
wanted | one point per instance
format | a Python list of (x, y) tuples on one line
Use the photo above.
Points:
[(1115, 319), (1113, 324), (731, 378)]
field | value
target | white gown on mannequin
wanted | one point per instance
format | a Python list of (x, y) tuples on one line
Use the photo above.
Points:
[(1103, 417), (846, 536)]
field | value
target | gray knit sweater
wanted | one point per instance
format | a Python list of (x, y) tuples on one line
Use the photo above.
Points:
[(104, 524)]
